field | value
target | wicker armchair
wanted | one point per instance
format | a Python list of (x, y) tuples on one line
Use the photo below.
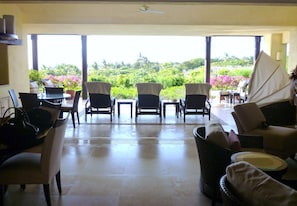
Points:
[(214, 159)]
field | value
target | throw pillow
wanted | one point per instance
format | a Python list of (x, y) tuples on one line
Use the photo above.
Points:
[(250, 116), (215, 133), (234, 142)]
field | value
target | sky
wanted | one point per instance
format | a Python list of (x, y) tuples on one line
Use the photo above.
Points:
[(54, 50)]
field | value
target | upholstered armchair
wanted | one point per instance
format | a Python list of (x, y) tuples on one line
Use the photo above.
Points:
[(277, 140)]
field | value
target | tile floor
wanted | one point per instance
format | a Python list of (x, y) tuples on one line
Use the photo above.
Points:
[(125, 164)]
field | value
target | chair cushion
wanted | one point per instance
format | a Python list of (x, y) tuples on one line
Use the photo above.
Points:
[(234, 142), (250, 116), (215, 133), (255, 187), (48, 83), (277, 140)]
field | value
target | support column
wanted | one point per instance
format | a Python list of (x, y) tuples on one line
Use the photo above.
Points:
[(207, 58), (257, 47), (34, 51), (84, 65)]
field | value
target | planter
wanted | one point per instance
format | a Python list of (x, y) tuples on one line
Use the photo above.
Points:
[(71, 92)]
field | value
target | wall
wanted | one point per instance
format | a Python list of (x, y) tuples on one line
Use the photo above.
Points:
[(292, 61), (17, 58), (277, 43)]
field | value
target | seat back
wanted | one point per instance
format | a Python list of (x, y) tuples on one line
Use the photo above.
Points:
[(98, 87), (242, 86), (29, 101), (54, 90), (196, 101), (75, 101), (281, 113), (149, 88), (52, 149), (100, 100), (237, 122), (198, 88), (14, 98), (249, 116), (148, 101), (148, 95)]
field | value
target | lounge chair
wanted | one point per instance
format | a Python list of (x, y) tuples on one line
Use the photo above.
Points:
[(196, 101), (100, 100), (148, 99)]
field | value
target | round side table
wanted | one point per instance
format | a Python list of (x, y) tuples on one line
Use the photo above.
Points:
[(270, 164)]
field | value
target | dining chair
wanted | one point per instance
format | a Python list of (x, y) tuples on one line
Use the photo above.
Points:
[(35, 168), (29, 101), (72, 107), (14, 98), (55, 90)]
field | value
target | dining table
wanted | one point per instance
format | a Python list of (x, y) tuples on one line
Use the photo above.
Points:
[(45, 96)]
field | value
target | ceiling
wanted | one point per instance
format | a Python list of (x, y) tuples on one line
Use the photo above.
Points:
[(161, 18)]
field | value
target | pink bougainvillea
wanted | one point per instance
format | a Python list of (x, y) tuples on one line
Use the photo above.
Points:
[(225, 82), (69, 82)]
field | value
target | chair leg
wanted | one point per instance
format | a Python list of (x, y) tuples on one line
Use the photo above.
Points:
[(58, 181), (86, 112), (46, 191), (77, 117), (73, 119)]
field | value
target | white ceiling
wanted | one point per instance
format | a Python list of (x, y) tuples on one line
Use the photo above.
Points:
[(93, 17)]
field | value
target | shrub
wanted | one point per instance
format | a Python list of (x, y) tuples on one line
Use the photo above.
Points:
[(225, 82)]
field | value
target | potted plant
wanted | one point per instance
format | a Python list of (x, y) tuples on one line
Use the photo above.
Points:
[(71, 83)]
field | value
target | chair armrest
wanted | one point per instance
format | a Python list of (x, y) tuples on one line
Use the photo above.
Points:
[(182, 102), (250, 141), (86, 104), (208, 102), (113, 100)]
